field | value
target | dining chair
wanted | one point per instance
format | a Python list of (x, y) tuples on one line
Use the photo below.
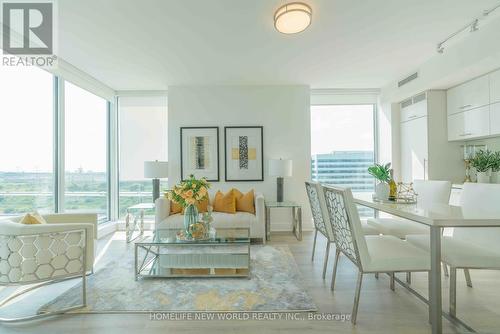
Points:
[(429, 192), (370, 254), (470, 247), (320, 216)]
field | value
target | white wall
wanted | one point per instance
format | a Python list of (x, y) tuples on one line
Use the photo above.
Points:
[(283, 111)]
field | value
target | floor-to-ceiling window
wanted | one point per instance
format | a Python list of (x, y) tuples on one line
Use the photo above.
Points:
[(26, 140), (86, 131), (343, 146), (143, 137)]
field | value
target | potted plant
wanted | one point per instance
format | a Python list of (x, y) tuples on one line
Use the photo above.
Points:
[(188, 193), (383, 175), (481, 161), (495, 167)]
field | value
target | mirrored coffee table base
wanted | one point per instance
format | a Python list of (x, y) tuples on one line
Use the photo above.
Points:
[(227, 255)]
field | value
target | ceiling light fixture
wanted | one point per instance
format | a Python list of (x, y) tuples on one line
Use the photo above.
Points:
[(292, 18)]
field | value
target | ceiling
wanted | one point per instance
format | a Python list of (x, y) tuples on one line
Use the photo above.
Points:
[(151, 44)]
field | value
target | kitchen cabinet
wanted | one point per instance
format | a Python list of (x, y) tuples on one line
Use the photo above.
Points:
[(414, 153), (469, 124), (470, 95), (425, 152), (495, 119)]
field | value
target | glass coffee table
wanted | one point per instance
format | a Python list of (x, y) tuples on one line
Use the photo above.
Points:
[(163, 255)]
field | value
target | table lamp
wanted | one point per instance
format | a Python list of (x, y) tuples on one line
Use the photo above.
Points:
[(280, 168), (156, 170)]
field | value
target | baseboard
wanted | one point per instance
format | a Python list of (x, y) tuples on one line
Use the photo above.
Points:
[(106, 229)]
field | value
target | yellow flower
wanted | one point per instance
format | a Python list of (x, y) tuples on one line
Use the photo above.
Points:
[(189, 194), (193, 186), (190, 201), (202, 191)]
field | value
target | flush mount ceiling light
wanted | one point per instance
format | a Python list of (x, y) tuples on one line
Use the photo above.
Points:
[(292, 18)]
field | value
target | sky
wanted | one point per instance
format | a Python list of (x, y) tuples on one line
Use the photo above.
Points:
[(341, 128), (26, 123)]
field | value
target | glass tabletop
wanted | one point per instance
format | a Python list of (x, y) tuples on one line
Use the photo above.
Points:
[(223, 236), (285, 204)]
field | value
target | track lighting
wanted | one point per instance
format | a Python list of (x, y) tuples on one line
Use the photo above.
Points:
[(472, 27)]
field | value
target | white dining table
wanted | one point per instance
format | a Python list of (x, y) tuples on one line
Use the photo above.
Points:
[(437, 217)]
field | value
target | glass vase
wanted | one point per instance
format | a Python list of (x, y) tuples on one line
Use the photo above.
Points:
[(190, 217)]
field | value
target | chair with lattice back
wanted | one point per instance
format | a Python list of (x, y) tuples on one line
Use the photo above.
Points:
[(372, 253), (320, 219)]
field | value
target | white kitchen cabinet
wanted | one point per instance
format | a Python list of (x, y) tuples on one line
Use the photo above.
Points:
[(414, 111), (414, 153), (495, 87), (469, 124), (495, 119), (425, 152), (470, 95)]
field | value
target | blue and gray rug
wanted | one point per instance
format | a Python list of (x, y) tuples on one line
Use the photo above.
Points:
[(274, 286)]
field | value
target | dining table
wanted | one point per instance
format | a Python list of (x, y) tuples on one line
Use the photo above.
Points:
[(436, 217)]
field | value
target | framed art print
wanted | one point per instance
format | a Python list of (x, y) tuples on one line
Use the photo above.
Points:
[(244, 153), (200, 152)]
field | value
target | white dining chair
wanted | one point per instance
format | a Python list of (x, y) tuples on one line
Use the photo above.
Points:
[(429, 192), (315, 195), (370, 254), (470, 247)]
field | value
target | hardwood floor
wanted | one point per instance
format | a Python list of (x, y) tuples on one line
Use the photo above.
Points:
[(381, 310)]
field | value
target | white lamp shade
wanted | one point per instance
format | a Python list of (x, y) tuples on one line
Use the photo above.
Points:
[(280, 167), (155, 169)]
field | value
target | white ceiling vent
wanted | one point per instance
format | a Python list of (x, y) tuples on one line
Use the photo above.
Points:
[(409, 78)]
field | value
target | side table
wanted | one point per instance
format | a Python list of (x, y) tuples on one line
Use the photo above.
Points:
[(134, 222), (296, 217)]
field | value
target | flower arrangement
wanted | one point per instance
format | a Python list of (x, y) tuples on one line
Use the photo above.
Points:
[(189, 192)]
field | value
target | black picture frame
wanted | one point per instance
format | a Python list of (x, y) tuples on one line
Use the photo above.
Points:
[(184, 128), (261, 178)]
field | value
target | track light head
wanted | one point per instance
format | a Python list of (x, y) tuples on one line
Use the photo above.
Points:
[(474, 25)]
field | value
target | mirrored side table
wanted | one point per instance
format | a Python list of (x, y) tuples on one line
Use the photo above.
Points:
[(134, 221), (296, 217)]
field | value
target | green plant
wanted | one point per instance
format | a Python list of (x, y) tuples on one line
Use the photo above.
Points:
[(495, 162), (381, 172), (482, 160)]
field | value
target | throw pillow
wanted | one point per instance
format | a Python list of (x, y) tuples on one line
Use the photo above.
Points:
[(175, 208), (244, 202), (32, 219), (225, 203)]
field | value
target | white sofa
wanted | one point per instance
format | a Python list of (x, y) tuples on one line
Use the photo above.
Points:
[(256, 222)]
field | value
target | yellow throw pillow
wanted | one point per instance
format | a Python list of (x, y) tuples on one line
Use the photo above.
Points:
[(175, 208), (225, 203), (32, 219), (244, 202), (201, 206)]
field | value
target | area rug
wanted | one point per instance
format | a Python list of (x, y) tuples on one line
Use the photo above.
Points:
[(274, 286)]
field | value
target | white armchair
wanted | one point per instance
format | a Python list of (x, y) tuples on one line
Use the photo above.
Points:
[(46, 253)]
